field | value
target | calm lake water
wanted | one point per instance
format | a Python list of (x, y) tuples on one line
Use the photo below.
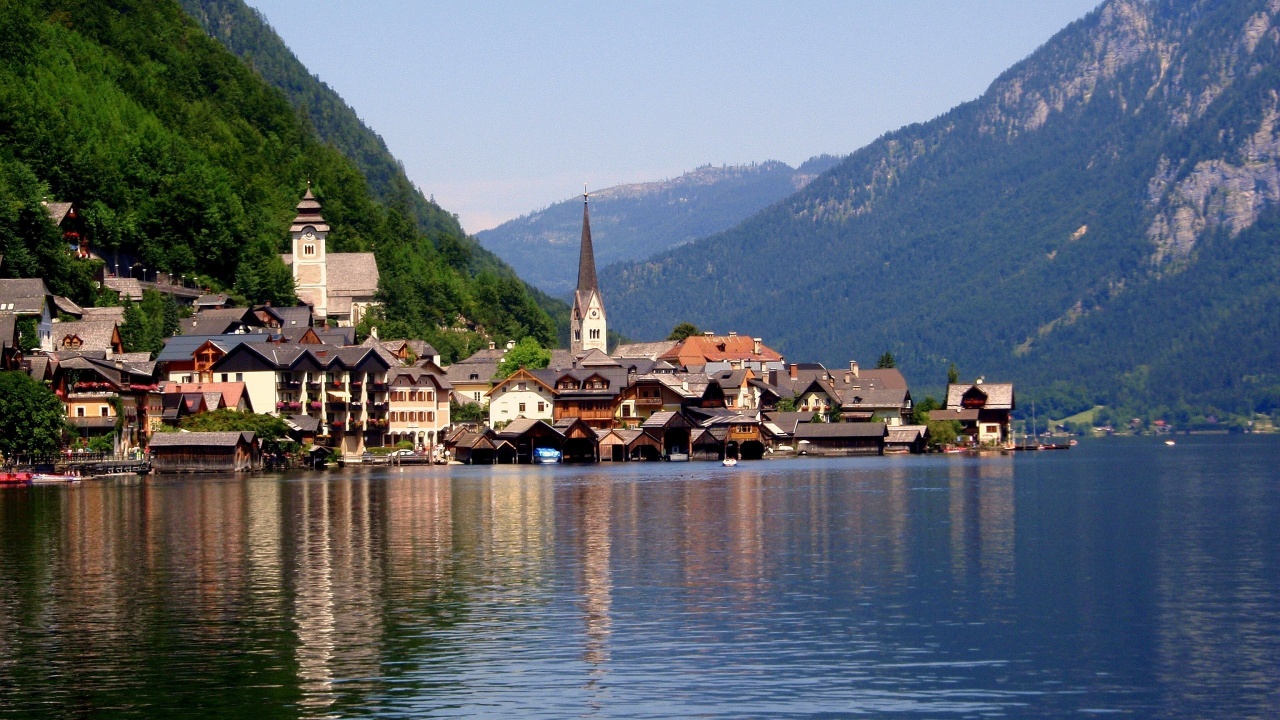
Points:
[(1123, 576)]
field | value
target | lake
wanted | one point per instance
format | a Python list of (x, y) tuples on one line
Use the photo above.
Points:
[(1122, 576)]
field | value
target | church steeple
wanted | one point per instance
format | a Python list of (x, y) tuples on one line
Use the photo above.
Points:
[(586, 254), (587, 322)]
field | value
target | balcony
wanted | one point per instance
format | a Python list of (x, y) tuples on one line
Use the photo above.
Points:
[(355, 406), (291, 385), (356, 385), (649, 402), (93, 423), (336, 406), (315, 406), (376, 424), (378, 407), (289, 406), (378, 387), (313, 387)]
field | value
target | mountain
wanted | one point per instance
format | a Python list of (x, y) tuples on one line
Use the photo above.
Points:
[(1101, 225), (245, 31), (632, 222), (181, 156)]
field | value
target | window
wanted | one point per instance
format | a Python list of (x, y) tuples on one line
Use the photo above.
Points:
[(522, 386), (430, 396), (421, 416), (102, 411), (521, 407), (80, 412), (309, 249), (542, 407), (477, 395), (239, 377), (595, 334), (431, 416), (577, 334)]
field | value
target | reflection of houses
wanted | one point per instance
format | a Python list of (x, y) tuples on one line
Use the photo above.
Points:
[(982, 409)]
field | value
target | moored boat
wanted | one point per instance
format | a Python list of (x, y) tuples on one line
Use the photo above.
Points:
[(11, 479), (546, 456)]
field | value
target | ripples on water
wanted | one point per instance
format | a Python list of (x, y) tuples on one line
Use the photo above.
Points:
[(1122, 576)]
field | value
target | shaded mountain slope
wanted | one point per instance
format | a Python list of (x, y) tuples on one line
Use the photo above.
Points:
[(635, 221)]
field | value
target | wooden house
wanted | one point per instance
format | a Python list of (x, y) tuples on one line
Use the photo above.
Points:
[(205, 452), (984, 410), (859, 438), (620, 444), (581, 444), (528, 435)]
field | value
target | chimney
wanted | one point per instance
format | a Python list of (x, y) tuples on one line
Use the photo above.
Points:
[(755, 346), (848, 378), (493, 345), (795, 371), (733, 333), (853, 368), (511, 344), (979, 382), (708, 333)]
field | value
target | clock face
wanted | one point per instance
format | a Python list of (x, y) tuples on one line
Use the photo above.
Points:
[(594, 312)]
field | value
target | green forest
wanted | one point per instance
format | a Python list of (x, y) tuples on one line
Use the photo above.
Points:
[(181, 156), (1012, 239)]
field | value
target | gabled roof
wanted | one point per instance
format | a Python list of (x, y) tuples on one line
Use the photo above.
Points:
[(416, 375), (230, 392), (182, 347), (906, 433), (290, 317), (665, 419), (811, 430), (200, 439), (649, 350), (701, 349), (525, 375), (115, 314), (98, 335), (26, 296), (520, 426), (352, 274), (211, 300), (303, 423), (954, 414), (127, 287), (65, 305), (57, 211), (999, 396)]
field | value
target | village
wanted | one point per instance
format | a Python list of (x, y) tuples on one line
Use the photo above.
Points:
[(706, 396)]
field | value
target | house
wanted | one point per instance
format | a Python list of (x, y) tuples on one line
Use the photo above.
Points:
[(779, 428), (190, 358), (408, 352), (211, 301), (646, 394), (65, 216), (339, 287), (88, 336), (589, 394), (646, 351), (182, 399), (856, 438), (277, 318), (740, 434), (205, 452), (345, 388), (879, 395), (906, 439), (30, 299), (696, 351), (417, 406), (473, 377), (101, 396), (220, 321), (983, 409), (522, 395)]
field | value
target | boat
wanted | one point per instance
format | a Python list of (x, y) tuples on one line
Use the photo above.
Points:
[(55, 479), (1169, 442), (729, 462), (546, 456), (675, 456), (11, 479)]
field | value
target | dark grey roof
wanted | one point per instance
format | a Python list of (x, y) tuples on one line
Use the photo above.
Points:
[(199, 439), (809, 430), (181, 347), (303, 423), (520, 426), (93, 334), (291, 316), (587, 282)]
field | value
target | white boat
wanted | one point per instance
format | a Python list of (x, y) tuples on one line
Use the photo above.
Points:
[(729, 462), (678, 456), (1169, 442), (546, 456), (53, 479)]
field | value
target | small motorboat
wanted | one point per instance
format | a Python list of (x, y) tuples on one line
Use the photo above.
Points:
[(55, 479), (546, 456), (675, 456), (1169, 442), (729, 462)]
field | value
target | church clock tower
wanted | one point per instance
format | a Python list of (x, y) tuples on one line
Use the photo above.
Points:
[(587, 323)]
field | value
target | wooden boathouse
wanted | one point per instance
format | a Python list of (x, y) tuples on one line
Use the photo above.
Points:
[(184, 452)]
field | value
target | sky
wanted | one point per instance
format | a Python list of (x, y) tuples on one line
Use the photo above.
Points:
[(501, 108)]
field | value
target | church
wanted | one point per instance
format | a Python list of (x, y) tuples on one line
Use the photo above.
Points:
[(587, 329), (339, 287)]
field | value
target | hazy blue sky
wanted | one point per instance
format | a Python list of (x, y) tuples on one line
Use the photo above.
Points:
[(499, 108)]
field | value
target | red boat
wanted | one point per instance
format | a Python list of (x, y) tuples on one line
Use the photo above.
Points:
[(8, 478)]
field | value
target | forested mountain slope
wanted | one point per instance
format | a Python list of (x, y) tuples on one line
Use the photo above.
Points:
[(632, 222), (245, 32), (1101, 226), (181, 156)]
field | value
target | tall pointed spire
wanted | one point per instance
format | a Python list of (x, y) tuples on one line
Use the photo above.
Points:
[(587, 257)]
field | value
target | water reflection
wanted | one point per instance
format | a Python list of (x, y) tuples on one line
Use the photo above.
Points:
[(918, 586)]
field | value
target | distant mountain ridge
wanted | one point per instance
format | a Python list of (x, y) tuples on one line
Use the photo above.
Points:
[(1101, 225), (634, 221)]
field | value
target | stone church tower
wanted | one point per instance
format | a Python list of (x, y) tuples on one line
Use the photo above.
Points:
[(587, 323), (310, 265)]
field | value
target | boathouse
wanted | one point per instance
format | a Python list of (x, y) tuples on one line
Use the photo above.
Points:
[(205, 452), (855, 438)]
